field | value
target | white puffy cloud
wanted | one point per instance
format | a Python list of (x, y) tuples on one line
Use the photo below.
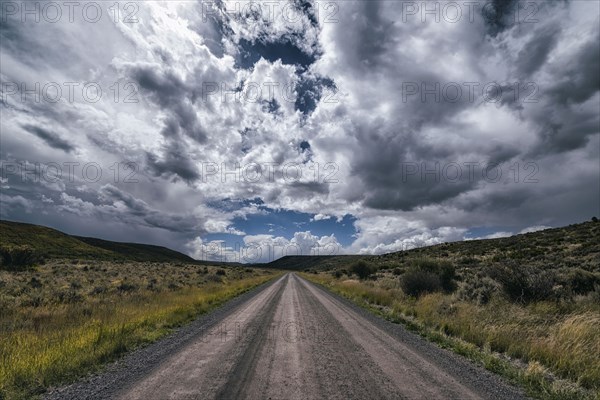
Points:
[(321, 217), (389, 233), (263, 248)]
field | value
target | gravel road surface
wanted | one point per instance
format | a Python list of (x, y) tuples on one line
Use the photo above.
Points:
[(291, 339)]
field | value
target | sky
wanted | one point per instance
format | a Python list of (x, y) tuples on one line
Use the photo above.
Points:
[(244, 131)]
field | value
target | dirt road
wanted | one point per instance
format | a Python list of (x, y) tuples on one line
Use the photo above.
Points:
[(294, 340)]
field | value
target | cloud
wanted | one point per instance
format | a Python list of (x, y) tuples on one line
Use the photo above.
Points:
[(263, 248), (385, 234), (9, 203), (51, 138), (495, 235), (361, 106), (535, 53), (535, 229), (320, 217), (503, 234), (173, 163)]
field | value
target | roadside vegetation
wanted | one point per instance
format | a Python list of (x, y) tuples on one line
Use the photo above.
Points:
[(62, 319), (526, 307)]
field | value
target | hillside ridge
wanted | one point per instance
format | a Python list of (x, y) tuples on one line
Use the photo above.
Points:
[(52, 243), (563, 242)]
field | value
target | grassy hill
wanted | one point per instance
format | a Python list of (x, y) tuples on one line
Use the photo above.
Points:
[(575, 245), (51, 244), (137, 251), (300, 263)]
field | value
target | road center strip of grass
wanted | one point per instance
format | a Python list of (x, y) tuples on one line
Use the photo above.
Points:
[(71, 340)]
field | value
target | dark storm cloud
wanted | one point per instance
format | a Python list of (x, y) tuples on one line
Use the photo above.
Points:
[(170, 92), (174, 163), (306, 189), (581, 78), (149, 216), (176, 98), (371, 36), (575, 199), (106, 144), (375, 34), (52, 139), (12, 39), (16, 41), (98, 214), (499, 15), (500, 201), (393, 169), (535, 53), (136, 206), (163, 86), (390, 146), (566, 125), (395, 179), (571, 134)]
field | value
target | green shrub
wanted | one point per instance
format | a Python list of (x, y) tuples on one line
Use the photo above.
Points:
[(416, 282), (580, 281), (447, 275), (70, 296), (19, 257), (478, 289), (524, 284), (214, 278), (35, 283), (126, 287), (362, 269), (443, 269), (98, 290)]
